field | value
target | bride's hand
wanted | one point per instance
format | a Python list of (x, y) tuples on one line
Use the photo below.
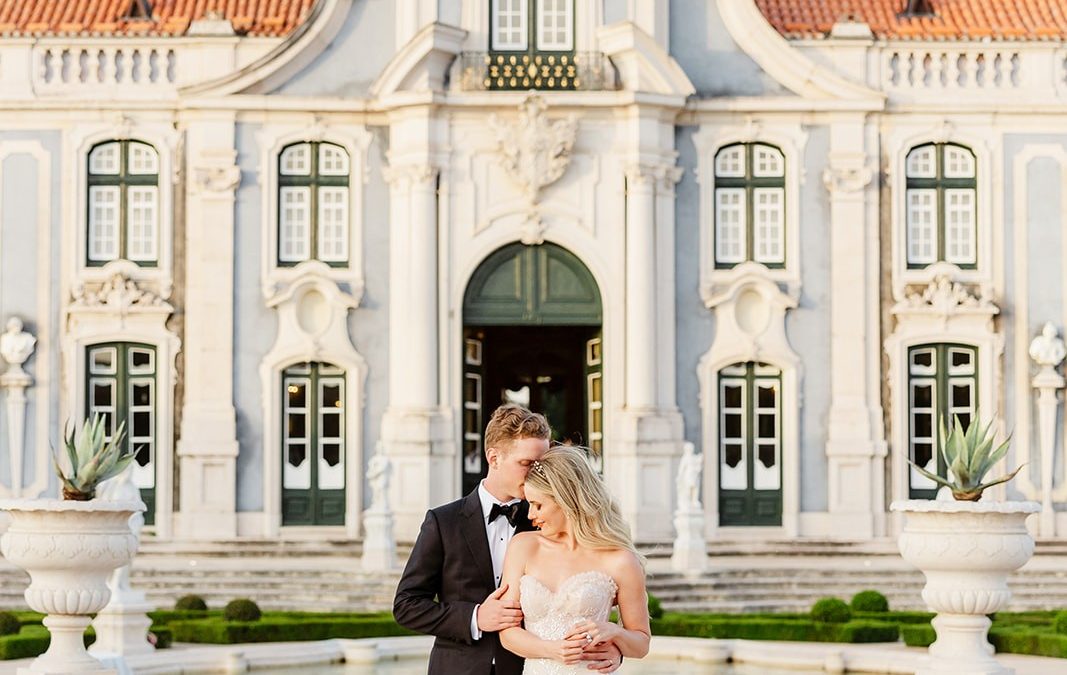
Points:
[(593, 633), (567, 650)]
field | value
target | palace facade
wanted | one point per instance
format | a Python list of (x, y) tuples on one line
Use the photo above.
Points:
[(276, 238)]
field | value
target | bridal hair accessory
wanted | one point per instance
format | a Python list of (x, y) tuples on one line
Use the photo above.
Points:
[(539, 468)]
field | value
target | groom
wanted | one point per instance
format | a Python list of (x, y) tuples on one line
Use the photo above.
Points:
[(449, 587)]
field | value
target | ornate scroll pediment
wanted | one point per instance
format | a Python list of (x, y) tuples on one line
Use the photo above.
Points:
[(534, 151), (119, 294), (945, 297)]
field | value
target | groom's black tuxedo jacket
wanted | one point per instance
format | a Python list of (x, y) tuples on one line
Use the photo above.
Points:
[(449, 572)]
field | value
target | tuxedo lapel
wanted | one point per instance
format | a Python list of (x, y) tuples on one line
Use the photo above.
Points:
[(522, 522), (474, 532)]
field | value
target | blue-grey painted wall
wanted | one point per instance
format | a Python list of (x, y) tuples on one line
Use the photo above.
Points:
[(254, 326), (356, 56), (708, 55), (695, 324), (20, 292), (808, 326)]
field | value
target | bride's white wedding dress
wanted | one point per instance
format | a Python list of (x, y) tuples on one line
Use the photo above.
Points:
[(551, 615)]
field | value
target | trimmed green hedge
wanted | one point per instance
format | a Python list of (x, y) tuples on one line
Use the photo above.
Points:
[(762, 628), (31, 641), (1028, 641), (281, 629), (918, 634)]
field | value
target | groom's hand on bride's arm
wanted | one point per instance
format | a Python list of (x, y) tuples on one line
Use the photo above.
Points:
[(498, 613), (603, 658)]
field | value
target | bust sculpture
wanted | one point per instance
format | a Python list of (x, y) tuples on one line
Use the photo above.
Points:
[(16, 345)]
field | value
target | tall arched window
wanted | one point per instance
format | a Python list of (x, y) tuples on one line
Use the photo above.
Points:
[(123, 203), (940, 198), (313, 202), (750, 444), (121, 387), (942, 384), (749, 205)]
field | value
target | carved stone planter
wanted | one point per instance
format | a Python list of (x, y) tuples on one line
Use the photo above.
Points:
[(69, 549), (966, 551)]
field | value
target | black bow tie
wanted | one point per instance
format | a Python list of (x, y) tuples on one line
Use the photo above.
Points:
[(510, 511)]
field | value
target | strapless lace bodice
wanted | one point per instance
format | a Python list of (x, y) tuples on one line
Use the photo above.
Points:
[(551, 615)]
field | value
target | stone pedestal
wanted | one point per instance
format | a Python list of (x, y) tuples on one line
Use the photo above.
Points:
[(379, 546), (690, 549)]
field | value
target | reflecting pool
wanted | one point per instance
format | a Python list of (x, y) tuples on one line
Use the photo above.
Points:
[(632, 667)]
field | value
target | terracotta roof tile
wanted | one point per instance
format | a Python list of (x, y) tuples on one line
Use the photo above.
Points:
[(953, 19), (169, 17)]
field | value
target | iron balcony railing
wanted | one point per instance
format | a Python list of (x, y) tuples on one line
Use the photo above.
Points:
[(567, 71)]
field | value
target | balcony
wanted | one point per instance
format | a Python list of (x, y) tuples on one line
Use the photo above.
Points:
[(546, 71)]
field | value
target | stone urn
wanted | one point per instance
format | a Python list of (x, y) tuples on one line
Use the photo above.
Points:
[(69, 549), (966, 550)]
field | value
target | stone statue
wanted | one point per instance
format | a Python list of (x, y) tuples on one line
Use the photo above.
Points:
[(688, 480), (16, 345), (1047, 349), (378, 471)]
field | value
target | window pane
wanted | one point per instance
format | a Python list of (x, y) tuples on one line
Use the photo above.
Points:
[(959, 162), (333, 160), (141, 396), (766, 426), (141, 424), (141, 360), (331, 453), (732, 397), (331, 396), (766, 397), (960, 227), (103, 222), (960, 362), (104, 159), (732, 426), (297, 454), (767, 162), (296, 160), (297, 426), (554, 25), (103, 394), (102, 361), (922, 454), (297, 393), (509, 24), (142, 214), (768, 455), (922, 224), (331, 426), (295, 217), (922, 361), (769, 214), (142, 159), (920, 163), (730, 225), (923, 426), (922, 396), (732, 455), (333, 224), (730, 162)]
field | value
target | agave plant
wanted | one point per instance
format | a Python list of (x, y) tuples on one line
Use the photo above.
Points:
[(92, 459), (969, 456)]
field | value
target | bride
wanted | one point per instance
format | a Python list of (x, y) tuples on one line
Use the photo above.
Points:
[(568, 575)]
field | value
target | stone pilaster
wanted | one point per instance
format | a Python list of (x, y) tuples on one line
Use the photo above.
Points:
[(207, 450), (855, 446)]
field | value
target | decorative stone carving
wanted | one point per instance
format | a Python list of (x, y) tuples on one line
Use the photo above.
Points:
[(16, 345), (216, 178), (69, 549), (119, 293), (847, 179), (944, 296), (966, 551), (408, 175), (379, 544), (1047, 349), (687, 482), (378, 470), (534, 152), (690, 549)]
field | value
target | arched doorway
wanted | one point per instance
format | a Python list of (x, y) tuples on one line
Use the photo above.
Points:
[(532, 334)]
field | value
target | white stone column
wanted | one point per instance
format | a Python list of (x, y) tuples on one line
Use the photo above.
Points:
[(16, 345), (856, 445), (648, 436), (416, 432), (207, 450), (1047, 350)]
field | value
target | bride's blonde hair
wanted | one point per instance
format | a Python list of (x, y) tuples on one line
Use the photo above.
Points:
[(564, 474)]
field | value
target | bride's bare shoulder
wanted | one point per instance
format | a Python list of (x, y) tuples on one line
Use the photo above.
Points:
[(525, 541), (624, 563)]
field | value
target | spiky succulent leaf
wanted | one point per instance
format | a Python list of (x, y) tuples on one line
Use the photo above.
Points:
[(1002, 479), (93, 459), (940, 480)]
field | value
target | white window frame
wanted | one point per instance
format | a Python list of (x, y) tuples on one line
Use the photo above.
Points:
[(788, 137), (545, 45), (524, 28), (286, 130)]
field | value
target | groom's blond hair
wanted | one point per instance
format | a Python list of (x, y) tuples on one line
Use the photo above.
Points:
[(512, 422)]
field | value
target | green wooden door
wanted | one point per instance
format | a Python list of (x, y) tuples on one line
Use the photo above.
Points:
[(750, 446), (313, 451), (121, 387)]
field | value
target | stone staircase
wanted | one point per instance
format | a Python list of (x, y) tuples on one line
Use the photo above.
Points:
[(743, 576)]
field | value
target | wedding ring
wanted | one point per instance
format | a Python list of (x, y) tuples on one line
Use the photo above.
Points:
[(588, 637)]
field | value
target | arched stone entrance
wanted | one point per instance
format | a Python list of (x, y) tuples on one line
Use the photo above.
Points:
[(532, 334)]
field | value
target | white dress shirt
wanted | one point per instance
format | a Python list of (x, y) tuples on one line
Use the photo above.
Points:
[(499, 534)]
